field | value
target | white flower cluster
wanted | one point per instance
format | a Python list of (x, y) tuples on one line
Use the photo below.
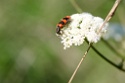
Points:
[(82, 26)]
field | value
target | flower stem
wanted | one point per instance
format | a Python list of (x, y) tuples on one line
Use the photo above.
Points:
[(74, 73), (113, 49), (76, 6), (119, 66), (110, 14)]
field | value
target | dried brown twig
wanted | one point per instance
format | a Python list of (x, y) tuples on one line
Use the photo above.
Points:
[(110, 14), (108, 17), (79, 63)]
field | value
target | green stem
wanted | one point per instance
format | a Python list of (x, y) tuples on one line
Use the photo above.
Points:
[(75, 5), (110, 62), (113, 49), (119, 66)]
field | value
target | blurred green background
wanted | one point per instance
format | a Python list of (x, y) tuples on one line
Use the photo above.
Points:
[(30, 52)]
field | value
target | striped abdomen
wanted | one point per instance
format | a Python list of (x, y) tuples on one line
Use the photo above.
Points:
[(62, 23)]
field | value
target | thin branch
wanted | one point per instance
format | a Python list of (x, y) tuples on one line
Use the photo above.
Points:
[(113, 49), (76, 6), (110, 14), (74, 73), (119, 66)]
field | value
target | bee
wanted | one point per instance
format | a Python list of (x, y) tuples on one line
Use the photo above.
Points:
[(62, 23)]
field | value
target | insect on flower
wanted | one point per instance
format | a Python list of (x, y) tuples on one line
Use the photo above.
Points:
[(74, 29), (62, 23)]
